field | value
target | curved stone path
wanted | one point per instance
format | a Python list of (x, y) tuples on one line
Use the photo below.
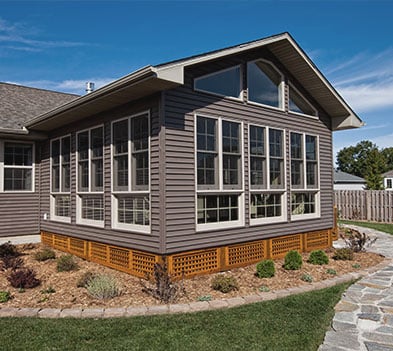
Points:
[(364, 317)]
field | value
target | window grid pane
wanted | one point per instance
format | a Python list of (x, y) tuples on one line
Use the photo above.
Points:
[(303, 203), (265, 205), (140, 152), (231, 153), (133, 209), (62, 205), (215, 209), (17, 179), (207, 155), (93, 207)]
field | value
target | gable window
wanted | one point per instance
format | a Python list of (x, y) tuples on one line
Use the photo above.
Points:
[(304, 175), (60, 205), (388, 183), (131, 173), (226, 82), (219, 156), (265, 84), (90, 177), (298, 103), (16, 166), (267, 185)]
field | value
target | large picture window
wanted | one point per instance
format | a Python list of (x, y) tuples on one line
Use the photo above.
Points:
[(219, 160), (131, 173), (60, 208), (304, 175), (267, 177), (90, 176)]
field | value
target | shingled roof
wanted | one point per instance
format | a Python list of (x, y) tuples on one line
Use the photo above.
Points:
[(19, 104)]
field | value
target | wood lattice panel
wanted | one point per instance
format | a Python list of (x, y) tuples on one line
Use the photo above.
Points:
[(78, 247), (317, 240), (98, 252), (60, 242), (239, 255), (194, 263), (47, 238), (281, 245), (119, 257), (142, 263)]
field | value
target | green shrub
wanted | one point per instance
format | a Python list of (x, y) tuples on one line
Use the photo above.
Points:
[(48, 290), (265, 269), (45, 254), (356, 266), (66, 263), (204, 298), (293, 260), (85, 278), (343, 254), (8, 249), (4, 296), (264, 288), (306, 278), (103, 287), (24, 278), (224, 283), (318, 257), (331, 271)]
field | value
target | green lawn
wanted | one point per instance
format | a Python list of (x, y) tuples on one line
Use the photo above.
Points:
[(297, 322), (382, 227)]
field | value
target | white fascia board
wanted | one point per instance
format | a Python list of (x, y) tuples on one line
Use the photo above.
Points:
[(346, 122)]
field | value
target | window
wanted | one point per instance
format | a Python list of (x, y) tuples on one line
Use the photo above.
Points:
[(267, 177), (219, 160), (225, 82), (60, 207), (388, 183), (265, 84), (90, 176), (304, 175), (16, 166), (131, 173), (299, 104)]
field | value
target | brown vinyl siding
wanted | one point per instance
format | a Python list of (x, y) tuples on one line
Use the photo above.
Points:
[(149, 242), (181, 105)]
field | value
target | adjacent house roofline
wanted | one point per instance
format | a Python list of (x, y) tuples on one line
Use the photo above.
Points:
[(344, 177), (153, 79), (388, 174)]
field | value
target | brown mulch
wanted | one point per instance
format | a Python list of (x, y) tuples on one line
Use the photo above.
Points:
[(68, 295)]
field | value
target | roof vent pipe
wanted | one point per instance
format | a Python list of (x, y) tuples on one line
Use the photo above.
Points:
[(89, 87)]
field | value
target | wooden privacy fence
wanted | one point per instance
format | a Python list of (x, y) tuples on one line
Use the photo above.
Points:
[(365, 205)]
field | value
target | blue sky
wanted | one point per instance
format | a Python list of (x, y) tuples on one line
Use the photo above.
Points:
[(61, 45)]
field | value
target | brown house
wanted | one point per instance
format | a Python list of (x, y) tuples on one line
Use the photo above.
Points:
[(213, 161)]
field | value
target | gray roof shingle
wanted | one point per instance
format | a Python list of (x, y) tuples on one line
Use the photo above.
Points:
[(343, 177), (19, 103)]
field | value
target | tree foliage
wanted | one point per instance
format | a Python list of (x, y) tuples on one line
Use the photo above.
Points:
[(367, 161)]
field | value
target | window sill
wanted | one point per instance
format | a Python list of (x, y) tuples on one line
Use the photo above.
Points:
[(254, 103), (90, 222), (60, 219), (143, 229), (219, 226), (303, 115), (305, 217), (267, 220)]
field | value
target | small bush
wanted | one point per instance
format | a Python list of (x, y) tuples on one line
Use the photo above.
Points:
[(343, 254), (318, 257), (266, 269), (66, 263), (103, 287), (224, 283), (204, 298), (293, 260), (306, 278), (45, 254), (24, 278), (4, 296), (48, 290), (8, 250), (85, 278), (264, 288), (331, 271), (11, 262), (356, 266)]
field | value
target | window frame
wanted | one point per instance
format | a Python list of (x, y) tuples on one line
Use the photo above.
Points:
[(3, 167), (115, 194), (53, 194), (306, 189), (221, 189), (280, 88), (292, 86), (267, 188), (241, 84), (81, 193)]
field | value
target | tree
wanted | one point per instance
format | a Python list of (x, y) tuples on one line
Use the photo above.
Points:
[(375, 164), (388, 153)]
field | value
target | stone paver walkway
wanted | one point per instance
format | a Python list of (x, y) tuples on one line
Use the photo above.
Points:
[(364, 317)]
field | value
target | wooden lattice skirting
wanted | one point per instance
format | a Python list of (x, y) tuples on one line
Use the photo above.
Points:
[(190, 263)]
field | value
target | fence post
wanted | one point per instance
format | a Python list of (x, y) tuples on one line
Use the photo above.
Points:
[(368, 205)]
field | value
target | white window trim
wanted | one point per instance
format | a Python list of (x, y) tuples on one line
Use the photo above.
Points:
[(241, 96), (385, 183), (220, 190), (144, 229), (268, 190), (53, 194), (3, 167), (316, 191), (79, 194), (316, 116), (281, 88)]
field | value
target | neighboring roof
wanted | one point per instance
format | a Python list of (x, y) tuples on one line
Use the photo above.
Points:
[(152, 79), (19, 104), (343, 177), (388, 174)]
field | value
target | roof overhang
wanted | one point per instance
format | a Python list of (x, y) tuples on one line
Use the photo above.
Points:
[(153, 79), (21, 134)]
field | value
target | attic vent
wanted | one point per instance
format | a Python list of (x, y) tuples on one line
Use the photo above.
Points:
[(89, 87)]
